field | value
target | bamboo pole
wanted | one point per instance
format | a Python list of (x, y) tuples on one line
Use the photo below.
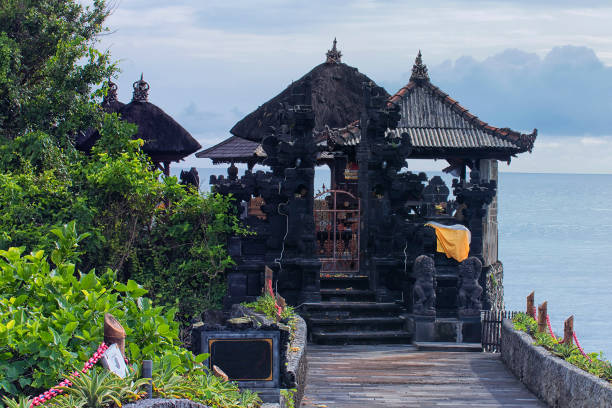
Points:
[(568, 330), (542, 313), (530, 306)]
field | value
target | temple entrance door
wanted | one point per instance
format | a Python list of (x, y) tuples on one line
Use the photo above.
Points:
[(337, 217)]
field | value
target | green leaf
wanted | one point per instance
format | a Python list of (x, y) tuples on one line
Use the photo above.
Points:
[(88, 281), (57, 339), (202, 357), (70, 327), (6, 356), (121, 287), (132, 285), (139, 292), (163, 329)]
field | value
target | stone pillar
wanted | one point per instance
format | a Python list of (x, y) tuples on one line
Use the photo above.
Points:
[(489, 172)]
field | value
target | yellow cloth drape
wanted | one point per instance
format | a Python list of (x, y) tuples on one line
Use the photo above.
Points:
[(452, 240)]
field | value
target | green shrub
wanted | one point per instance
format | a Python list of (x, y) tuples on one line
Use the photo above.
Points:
[(526, 323), (594, 364), (51, 316), (51, 82), (100, 388), (265, 304), (197, 384), (289, 395)]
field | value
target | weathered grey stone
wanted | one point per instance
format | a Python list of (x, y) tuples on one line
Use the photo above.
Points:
[(165, 403), (555, 381), (296, 360)]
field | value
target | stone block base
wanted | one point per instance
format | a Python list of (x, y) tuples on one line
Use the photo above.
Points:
[(450, 330)]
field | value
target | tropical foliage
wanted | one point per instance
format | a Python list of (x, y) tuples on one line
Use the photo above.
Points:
[(51, 316), (266, 305), (140, 226), (594, 363), (143, 226)]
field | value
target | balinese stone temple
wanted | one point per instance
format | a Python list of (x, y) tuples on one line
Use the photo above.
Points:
[(381, 254)]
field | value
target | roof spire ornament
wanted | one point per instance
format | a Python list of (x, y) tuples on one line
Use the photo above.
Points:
[(333, 56), (141, 91), (111, 95), (419, 70)]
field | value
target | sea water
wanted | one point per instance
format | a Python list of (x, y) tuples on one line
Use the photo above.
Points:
[(554, 239)]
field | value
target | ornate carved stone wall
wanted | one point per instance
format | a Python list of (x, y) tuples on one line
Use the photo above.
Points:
[(492, 280)]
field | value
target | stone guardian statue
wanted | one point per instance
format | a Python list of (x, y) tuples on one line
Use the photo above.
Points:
[(468, 297), (424, 292)]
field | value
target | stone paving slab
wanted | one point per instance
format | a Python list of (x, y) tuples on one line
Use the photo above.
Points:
[(397, 376)]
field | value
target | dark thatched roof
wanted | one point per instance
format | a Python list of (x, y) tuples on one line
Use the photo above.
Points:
[(165, 139), (336, 100)]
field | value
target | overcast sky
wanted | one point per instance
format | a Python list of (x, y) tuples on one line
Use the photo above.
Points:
[(520, 64)]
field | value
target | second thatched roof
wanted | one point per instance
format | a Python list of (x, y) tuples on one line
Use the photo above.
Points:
[(337, 99)]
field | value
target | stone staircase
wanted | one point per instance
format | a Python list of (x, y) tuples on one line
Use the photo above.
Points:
[(348, 314)]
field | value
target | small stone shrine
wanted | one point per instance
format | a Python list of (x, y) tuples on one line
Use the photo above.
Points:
[(357, 258), (247, 348)]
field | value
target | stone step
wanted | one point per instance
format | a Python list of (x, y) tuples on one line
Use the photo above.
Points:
[(340, 291), (339, 294), (386, 306), (330, 325), (348, 309), (448, 346), (356, 320), (345, 282), (361, 337)]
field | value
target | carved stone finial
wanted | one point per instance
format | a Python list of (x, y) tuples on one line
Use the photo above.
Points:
[(419, 70), (333, 56), (141, 91), (111, 95)]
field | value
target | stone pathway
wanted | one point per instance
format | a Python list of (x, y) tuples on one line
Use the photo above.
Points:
[(399, 376)]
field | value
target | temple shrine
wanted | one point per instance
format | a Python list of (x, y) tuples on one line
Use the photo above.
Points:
[(381, 254)]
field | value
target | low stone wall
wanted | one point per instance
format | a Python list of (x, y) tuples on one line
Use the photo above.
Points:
[(555, 381), (297, 363)]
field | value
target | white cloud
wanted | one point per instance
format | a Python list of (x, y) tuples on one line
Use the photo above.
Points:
[(592, 141), (566, 154), (225, 56)]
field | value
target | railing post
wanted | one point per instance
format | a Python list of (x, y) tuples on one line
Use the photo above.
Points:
[(568, 330), (147, 372), (542, 313), (530, 306)]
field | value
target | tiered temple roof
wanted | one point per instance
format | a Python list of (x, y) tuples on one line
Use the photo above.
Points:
[(436, 125)]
